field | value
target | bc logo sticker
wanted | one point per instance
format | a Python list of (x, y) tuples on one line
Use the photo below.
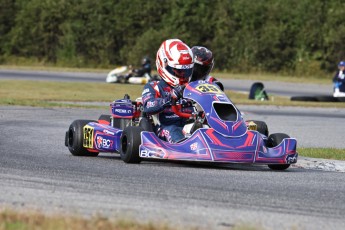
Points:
[(208, 88)]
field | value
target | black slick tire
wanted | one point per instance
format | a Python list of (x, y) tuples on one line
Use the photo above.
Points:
[(261, 127), (74, 139), (130, 141), (274, 140)]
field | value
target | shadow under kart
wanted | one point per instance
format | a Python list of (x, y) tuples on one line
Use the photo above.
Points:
[(216, 133)]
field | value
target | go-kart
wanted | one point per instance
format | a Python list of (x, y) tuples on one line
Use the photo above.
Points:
[(215, 132), (124, 74)]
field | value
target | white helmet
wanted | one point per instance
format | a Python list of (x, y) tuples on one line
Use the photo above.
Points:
[(175, 62)]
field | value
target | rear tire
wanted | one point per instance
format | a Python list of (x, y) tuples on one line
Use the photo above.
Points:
[(121, 123), (130, 141), (272, 141), (104, 119), (146, 124), (74, 139)]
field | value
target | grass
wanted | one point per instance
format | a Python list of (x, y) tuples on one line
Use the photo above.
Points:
[(48, 94), (19, 220), (325, 153), (30, 220)]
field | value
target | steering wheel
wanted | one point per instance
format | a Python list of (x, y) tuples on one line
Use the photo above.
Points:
[(177, 109)]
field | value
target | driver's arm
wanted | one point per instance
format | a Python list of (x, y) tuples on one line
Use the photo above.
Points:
[(152, 102)]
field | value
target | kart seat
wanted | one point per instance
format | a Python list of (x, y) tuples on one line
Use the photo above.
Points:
[(196, 125), (146, 124)]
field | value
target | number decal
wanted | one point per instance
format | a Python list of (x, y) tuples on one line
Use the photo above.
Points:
[(88, 137), (208, 88)]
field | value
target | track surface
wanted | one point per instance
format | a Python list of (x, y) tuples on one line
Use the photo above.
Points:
[(275, 88), (37, 171)]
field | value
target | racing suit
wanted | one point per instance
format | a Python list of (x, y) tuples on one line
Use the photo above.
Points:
[(157, 100), (339, 82), (144, 69), (140, 72)]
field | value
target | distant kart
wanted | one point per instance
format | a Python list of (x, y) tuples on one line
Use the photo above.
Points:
[(123, 74), (216, 133)]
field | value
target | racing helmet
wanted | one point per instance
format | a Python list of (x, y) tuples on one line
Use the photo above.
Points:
[(203, 62), (174, 62), (145, 60), (342, 63)]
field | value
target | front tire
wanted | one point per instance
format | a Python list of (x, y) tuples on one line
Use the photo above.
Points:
[(74, 139), (130, 141), (273, 141), (261, 127)]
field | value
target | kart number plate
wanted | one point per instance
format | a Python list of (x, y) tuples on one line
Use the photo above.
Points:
[(208, 88), (88, 137)]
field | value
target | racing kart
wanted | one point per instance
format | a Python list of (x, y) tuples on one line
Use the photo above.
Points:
[(215, 132), (123, 74)]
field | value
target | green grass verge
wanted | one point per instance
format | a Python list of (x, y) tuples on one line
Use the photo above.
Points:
[(325, 153), (17, 220), (26, 220), (48, 94)]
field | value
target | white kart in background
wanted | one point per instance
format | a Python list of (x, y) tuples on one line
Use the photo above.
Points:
[(124, 74)]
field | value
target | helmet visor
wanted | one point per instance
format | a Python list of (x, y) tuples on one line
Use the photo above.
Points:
[(180, 73)]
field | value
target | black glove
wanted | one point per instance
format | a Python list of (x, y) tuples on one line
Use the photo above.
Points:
[(177, 92)]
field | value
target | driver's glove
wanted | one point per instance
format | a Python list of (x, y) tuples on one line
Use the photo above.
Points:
[(176, 92)]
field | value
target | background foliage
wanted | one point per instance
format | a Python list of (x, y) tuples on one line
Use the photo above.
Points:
[(300, 37)]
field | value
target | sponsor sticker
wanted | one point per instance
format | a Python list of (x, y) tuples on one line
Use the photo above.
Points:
[(145, 91), (104, 143), (108, 132), (151, 104), (194, 146)]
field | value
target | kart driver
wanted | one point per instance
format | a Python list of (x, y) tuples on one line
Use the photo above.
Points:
[(145, 68), (175, 64), (339, 80), (203, 64)]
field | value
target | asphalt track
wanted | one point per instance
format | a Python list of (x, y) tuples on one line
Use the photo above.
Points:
[(38, 172)]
